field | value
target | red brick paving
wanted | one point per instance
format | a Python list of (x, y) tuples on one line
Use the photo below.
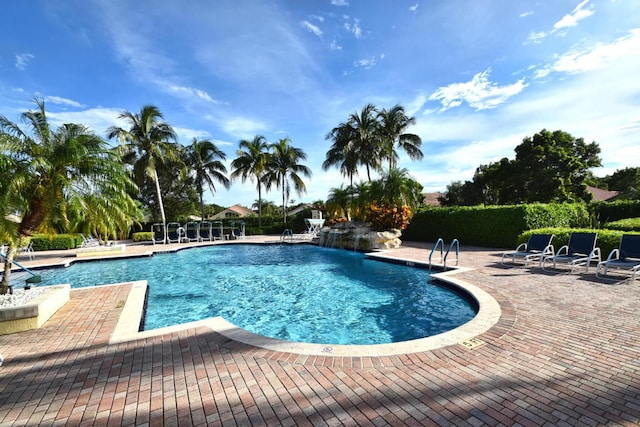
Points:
[(566, 351)]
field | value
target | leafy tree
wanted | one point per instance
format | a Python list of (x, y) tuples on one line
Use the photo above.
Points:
[(147, 143), (251, 163), (284, 169), (393, 124), (205, 166), (55, 178), (268, 207), (627, 179), (549, 167)]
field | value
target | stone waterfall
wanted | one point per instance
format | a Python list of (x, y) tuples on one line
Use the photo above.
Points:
[(358, 237)]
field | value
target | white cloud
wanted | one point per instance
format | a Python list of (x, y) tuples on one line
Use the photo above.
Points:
[(22, 60), (579, 60), (97, 119), (340, 2), (334, 45), (242, 127), (536, 38), (186, 135), (311, 28), (191, 92), (63, 101), (525, 14), (414, 8), (354, 28), (572, 19), (479, 93), (366, 63)]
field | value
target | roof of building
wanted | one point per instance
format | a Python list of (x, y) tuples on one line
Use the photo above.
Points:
[(600, 195)]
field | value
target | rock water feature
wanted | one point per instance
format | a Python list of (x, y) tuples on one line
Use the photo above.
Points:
[(358, 237)]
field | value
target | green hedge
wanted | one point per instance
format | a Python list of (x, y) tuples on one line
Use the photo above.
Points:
[(607, 239), (143, 236), (629, 224), (43, 242), (604, 212), (491, 226)]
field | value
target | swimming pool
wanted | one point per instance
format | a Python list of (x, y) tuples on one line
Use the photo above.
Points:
[(293, 292)]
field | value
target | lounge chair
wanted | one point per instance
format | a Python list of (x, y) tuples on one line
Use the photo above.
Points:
[(581, 250), (191, 232), (159, 233), (217, 230), (26, 250), (537, 247), (174, 232), (204, 231), (625, 257), (89, 241), (237, 233)]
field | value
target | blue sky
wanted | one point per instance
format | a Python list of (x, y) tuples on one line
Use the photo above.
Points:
[(478, 76)]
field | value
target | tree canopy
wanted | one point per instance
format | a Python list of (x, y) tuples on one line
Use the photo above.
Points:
[(548, 167)]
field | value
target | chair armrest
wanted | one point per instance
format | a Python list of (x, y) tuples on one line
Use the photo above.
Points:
[(614, 254), (522, 247), (564, 250), (549, 251)]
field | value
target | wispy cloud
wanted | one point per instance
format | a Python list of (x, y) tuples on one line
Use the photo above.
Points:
[(311, 28), (525, 14), (479, 93), (334, 45), (584, 59), (414, 8), (578, 14), (340, 2), (243, 127), (354, 28), (63, 101), (192, 92), (367, 63), (22, 60)]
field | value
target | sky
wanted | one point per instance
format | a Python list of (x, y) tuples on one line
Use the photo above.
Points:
[(478, 76)]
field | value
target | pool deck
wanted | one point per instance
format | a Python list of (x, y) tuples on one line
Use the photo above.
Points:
[(565, 351)]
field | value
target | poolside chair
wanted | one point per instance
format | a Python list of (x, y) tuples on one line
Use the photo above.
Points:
[(626, 257), (174, 232), (217, 230), (89, 241), (581, 250), (204, 231), (237, 233), (537, 247), (191, 232), (159, 233), (26, 250)]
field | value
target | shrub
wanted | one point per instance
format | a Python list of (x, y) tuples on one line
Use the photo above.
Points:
[(383, 217), (492, 226), (604, 212), (43, 242), (143, 236), (629, 224)]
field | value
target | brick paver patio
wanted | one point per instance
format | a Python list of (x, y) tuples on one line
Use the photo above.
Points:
[(566, 351)]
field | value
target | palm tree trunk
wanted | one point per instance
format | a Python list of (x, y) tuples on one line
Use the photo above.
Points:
[(160, 204), (259, 206), (201, 207), (284, 206), (8, 262)]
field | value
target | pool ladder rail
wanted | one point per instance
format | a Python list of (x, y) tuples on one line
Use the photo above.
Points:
[(286, 233), (443, 255)]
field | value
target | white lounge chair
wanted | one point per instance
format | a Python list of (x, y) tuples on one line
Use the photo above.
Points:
[(159, 233), (537, 247), (626, 257), (191, 232), (581, 250)]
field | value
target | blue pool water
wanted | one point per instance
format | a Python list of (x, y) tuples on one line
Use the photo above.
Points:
[(294, 292)]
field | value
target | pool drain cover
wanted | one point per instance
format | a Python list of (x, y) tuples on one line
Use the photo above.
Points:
[(472, 343)]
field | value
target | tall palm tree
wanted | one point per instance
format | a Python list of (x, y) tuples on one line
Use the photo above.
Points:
[(339, 201), (147, 142), (393, 124), (357, 142), (342, 153), (206, 167), (251, 163), (283, 169), (52, 177)]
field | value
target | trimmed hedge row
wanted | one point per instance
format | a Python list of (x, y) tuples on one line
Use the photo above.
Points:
[(43, 242), (142, 236), (612, 211), (492, 226), (607, 241), (629, 224)]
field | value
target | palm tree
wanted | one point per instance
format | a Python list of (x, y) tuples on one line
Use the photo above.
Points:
[(206, 167), (342, 154), (251, 163), (283, 168), (339, 201), (57, 177), (145, 144), (356, 143), (393, 124), (397, 188)]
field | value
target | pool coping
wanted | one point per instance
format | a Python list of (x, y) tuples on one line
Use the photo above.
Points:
[(489, 313)]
